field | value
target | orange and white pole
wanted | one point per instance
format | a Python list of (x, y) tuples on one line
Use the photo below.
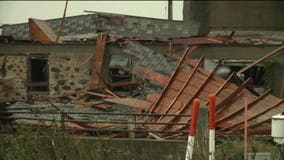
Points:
[(212, 99), (192, 129)]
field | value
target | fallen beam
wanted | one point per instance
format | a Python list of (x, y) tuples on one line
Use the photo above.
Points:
[(131, 102), (98, 63), (150, 75), (261, 59), (91, 104), (125, 83)]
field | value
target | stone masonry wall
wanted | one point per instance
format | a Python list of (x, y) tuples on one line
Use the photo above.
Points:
[(13, 73), (66, 74)]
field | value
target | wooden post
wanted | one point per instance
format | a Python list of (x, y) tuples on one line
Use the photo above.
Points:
[(131, 126), (246, 130), (170, 9), (202, 136), (62, 115), (98, 63), (282, 85)]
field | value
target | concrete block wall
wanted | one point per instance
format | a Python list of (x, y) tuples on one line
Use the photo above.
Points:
[(235, 15), (16, 76), (86, 26), (18, 31)]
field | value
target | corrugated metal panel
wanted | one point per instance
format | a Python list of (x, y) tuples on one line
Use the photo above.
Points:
[(180, 90)]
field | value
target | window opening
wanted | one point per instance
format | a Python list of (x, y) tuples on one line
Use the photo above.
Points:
[(38, 73)]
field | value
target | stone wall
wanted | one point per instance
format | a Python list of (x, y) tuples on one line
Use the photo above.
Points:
[(13, 73), (66, 74)]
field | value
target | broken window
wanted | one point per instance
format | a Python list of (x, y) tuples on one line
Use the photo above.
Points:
[(256, 73), (38, 73), (120, 71)]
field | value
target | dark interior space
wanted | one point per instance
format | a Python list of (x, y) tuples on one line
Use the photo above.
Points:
[(38, 73), (256, 73), (119, 75), (38, 70)]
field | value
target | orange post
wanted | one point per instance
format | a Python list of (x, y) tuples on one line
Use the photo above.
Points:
[(212, 99), (194, 117), (192, 129)]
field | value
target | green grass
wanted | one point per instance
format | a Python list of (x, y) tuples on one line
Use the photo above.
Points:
[(233, 148), (53, 144)]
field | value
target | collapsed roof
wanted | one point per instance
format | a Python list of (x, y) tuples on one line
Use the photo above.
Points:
[(182, 80)]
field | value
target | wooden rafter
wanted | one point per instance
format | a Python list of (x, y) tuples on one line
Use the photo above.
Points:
[(185, 106), (241, 109), (187, 51), (259, 114), (228, 99), (184, 85)]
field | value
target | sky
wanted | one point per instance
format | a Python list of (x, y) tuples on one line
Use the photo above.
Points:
[(12, 12)]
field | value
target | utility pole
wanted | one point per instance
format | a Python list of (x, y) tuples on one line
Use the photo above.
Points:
[(170, 9)]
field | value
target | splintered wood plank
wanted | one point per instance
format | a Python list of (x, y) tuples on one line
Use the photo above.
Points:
[(91, 104), (150, 75), (131, 102), (40, 31), (98, 63), (124, 83)]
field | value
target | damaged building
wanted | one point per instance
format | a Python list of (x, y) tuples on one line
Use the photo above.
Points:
[(152, 64), (57, 68)]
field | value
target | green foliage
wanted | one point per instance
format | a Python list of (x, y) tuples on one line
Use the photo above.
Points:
[(268, 77), (233, 148), (53, 144)]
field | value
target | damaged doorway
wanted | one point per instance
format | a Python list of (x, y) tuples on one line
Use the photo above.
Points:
[(38, 75)]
